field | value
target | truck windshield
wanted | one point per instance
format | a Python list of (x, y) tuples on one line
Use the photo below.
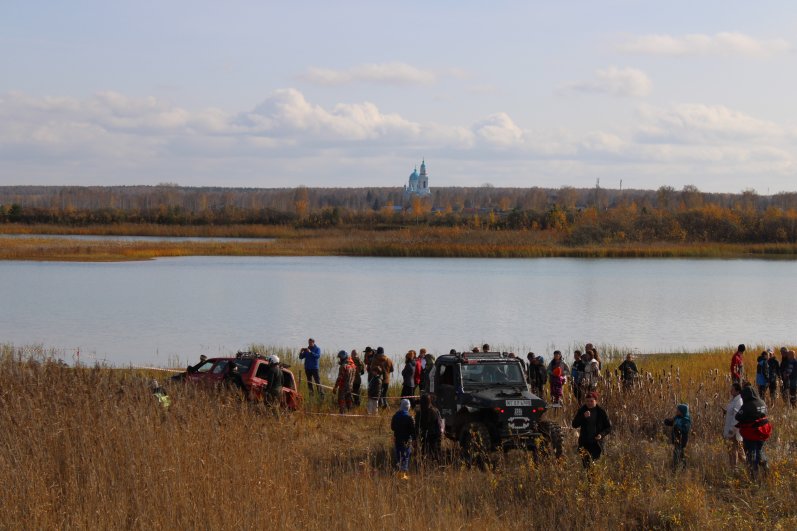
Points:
[(492, 373)]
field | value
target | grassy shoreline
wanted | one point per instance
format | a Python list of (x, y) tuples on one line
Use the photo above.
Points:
[(289, 241), (100, 453)]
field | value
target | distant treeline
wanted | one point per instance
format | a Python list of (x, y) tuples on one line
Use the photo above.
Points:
[(569, 215)]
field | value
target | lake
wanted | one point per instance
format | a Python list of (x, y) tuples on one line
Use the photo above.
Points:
[(161, 311)]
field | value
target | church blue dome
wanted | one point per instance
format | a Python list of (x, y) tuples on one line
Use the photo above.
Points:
[(414, 175)]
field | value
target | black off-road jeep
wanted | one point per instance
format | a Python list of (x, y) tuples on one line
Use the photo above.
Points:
[(486, 404)]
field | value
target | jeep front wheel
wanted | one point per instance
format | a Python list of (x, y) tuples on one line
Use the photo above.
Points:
[(475, 442), (552, 438)]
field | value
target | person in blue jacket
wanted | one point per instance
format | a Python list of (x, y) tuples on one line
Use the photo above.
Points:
[(762, 373), (311, 356), (679, 436), (404, 432)]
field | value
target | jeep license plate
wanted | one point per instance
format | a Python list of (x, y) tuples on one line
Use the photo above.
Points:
[(518, 403)]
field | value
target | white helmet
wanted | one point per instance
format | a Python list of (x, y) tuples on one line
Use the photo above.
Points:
[(273, 359)]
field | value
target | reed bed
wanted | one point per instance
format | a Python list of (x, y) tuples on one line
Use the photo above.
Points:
[(89, 447), (441, 242)]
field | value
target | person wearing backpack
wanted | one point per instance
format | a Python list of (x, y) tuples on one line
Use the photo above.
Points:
[(754, 428)]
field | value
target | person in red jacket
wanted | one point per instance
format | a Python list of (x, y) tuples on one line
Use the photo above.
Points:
[(737, 365)]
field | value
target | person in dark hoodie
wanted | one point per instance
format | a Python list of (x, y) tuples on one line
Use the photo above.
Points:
[(403, 432), (594, 425), (429, 425), (754, 428), (538, 375), (679, 436)]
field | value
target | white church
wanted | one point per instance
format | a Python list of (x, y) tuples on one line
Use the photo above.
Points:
[(419, 183)]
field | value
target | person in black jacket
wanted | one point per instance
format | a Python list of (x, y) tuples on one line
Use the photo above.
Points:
[(628, 371), (538, 376), (594, 425), (428, 424), (754, 427), (403, 432), (774, 375)]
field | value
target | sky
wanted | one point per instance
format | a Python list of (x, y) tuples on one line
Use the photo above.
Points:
[(356, 93)]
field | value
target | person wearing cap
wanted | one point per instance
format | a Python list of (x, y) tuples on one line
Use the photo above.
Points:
[(737, 365), (593, 424), (774, 375), (368, 357), (755, 429), (311, 355), (273, 376), (345, 382), (403, 433), (762, 373)]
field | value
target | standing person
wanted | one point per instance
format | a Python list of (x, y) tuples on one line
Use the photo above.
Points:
[(594, 425), (385, 364), (420, 363), (403, 432), (429, 424), (628, 371), (359, 370), (731, 432), (762, 373), (792, 372), (368, 357), (755, 429), (427, 364), (679, 436), (538, 375), (592, 371), (374, 389), (785, 373), (737, 365), (557, 381), (311, 355), (774, 375), (345, 382), (408, 375), (577, 372), (272, 391)]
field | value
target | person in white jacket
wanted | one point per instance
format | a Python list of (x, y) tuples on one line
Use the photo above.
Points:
[(731, 432)]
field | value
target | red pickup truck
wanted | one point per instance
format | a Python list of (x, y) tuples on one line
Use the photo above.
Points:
[(214, 372)]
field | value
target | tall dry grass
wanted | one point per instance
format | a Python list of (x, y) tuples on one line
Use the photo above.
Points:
[(443, 242), (91, 448)]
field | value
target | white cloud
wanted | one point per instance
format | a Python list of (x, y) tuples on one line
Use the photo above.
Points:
[(704, 124), (726, 43), (110, 137), (620, 82), (499, 130), (382, 73)]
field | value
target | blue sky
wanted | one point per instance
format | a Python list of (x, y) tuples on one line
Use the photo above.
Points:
[(273, 94)]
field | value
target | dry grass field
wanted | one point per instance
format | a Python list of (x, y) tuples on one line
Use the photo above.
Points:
[(90, 448), (443, 242)]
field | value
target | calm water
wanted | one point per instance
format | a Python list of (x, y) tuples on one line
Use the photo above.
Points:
[(154, 312)]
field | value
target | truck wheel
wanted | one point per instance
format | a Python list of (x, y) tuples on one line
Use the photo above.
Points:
[(552, 438), (475, 443)]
